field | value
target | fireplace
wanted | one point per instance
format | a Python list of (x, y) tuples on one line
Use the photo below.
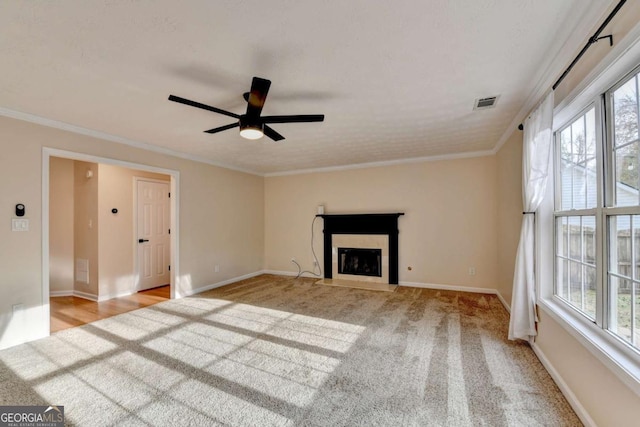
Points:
[(361, 247), (360, 262), (360, 257)]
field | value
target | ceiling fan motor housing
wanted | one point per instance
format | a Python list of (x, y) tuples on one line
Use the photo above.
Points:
[(251, 127)]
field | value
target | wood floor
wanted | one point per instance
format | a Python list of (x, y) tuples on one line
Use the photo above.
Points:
[(67, 312)]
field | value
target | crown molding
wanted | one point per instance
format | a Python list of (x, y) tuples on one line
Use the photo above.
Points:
[(32, 118), (465, 155)]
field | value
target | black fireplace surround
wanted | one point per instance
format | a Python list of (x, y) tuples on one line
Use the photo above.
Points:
[(386, 223)]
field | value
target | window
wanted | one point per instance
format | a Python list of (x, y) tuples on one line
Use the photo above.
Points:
[(623, 219), (597, 212), (576, 214)]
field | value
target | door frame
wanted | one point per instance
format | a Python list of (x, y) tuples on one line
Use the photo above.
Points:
[(174, 212), (136, 254)]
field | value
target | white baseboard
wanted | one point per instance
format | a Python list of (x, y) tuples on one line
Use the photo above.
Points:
[(88, 296), (564, 388), (408, 284), (218, 284), (290, 273), (61, 293), (449, 287), (504, 303), (111, 296), (85, 295)]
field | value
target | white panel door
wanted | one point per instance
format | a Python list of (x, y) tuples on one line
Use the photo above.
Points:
[(153, 234)]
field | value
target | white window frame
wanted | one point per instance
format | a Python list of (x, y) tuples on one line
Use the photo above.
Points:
[(617, 355), (594, 211)]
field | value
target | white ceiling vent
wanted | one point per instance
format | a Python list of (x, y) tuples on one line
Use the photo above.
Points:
[(484, 103)]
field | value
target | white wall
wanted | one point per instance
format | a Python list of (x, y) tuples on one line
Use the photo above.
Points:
[(450, 221), (221, 220)]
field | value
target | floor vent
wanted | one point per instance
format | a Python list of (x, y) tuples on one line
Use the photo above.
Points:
[(484, 103)]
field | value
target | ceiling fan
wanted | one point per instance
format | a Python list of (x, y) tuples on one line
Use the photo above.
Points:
[(252, 125)]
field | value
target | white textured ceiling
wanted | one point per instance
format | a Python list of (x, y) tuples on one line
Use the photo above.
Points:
[(395, 79)]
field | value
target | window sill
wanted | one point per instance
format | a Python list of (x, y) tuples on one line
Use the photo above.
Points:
[(624, 362)]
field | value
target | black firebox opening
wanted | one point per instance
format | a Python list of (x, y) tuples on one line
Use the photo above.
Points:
[(361, 262)]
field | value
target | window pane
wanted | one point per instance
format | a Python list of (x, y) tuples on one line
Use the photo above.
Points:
[(590, 128), (627, 175), (624, 260), (576, 280), (575, 238), (589, 239), (625, 134), (578, 140), (566, 184), (620, 307), (636, 315), (575, 284), (578, 173), (590, 291), (565, 144), (561, 236), (563, 278), (625, 113), (620, 245), (636, 248), (591, 184)]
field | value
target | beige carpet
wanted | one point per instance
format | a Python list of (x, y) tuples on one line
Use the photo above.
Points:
[(286, 352)]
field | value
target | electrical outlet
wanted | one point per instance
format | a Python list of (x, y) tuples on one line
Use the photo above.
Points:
[(216, 269), (315, 263), (472, 271), (293, 260)]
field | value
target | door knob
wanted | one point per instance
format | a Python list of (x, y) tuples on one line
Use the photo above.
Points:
[(142, 240)]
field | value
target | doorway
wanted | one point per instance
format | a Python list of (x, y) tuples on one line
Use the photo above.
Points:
[(100, 265)]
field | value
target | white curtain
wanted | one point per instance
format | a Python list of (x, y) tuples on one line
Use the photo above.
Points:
[(536, 152)]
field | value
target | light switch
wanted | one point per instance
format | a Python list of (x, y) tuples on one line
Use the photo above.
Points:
[(19, 224)]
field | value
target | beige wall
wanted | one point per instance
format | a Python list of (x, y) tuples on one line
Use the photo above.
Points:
[(608, 401), (509, 164), (61, 264), (85, 231), (116, 238), (221, 220), (449, 224)]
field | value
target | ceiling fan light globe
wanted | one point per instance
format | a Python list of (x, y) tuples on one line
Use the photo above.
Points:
[(251, 133)]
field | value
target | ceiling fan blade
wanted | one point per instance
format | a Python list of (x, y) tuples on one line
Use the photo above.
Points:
[(203, 106), (221, 128), (257, 96), (272, 133), (304, 118)]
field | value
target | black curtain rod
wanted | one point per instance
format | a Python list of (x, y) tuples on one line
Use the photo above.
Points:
[(593, 39)]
